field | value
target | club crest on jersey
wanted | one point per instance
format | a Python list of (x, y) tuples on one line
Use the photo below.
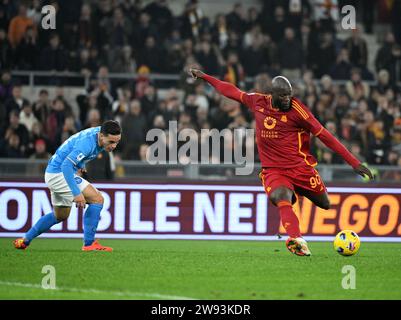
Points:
[(269, 123), (284, 118), (80, 156)]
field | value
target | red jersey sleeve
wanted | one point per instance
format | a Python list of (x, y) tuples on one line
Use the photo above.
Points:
[(309, 122), (251, 100), (306, 119), (230, 91)]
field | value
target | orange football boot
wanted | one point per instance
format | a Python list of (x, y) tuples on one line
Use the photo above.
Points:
[(20, 244), (96, 246)]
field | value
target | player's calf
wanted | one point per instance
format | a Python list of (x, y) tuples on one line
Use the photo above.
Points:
[(62, 213)]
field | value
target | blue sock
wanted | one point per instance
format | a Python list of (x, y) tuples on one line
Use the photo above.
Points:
[(91, 220), (42, 225)]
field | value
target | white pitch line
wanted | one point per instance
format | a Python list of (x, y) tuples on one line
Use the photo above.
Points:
[(96, 291)]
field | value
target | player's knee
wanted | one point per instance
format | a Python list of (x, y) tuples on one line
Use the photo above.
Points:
[(99, 199), (325, 204), (280, 195)]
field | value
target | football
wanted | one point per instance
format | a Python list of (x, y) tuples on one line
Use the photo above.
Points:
[(347, 243)]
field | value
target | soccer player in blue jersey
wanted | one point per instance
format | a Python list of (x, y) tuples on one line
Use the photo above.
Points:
[(66, 186)]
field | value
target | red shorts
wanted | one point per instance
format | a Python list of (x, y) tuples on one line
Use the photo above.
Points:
[(301, 180)]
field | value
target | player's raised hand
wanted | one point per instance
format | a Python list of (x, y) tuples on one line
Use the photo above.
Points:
[(363, 170), (196, 73), (80, 201)]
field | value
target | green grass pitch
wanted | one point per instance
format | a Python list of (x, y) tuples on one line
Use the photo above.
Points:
[(176, 269)]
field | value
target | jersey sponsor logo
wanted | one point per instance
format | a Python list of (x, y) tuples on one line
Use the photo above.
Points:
[(80, 156), (78, 180), (269, 123)]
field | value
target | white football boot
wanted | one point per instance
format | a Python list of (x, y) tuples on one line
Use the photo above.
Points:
[(298, 246)]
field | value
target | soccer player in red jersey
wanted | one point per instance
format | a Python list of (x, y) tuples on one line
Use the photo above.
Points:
[(283, 128)]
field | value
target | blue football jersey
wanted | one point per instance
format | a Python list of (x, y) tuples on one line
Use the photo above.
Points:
[(80, 148)]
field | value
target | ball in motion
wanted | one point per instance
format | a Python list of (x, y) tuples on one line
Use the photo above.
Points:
[(347, 243)]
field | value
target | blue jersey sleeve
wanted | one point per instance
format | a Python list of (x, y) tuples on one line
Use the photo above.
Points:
[(68, 172), (74, 159)]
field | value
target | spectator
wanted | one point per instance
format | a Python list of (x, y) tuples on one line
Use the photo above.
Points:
[(133, 126), (16, 101), (123, 61), (54, 56), (207, 57), (13, 148), (42, 106), (5, 50), (40, 151), (142, 82), (276, 25), (324, 56), (162, 16), (26, 116), (152, 56), (341, 70), (356, 88), (143, 151), (6, 86), (54, 124), (378, 143), (175, 57), (220, 31), (69, 129), (236, 19), (144, 30), (18, 129), (37, 133), (192, 20), (94, 119), (291, 55), (117, 30), (18, 26), (121, 106), (384, 54), (86, 27), (233, 72), (357, 48), (255, 58), (27, 51), (103, 168)]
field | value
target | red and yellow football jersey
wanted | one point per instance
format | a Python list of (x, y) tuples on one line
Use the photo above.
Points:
[(283, 137)]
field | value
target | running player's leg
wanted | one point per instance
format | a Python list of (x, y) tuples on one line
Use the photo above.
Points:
[(91, 218), (309, 184), (319, 199), (47, 221), (282, 197), (281, 193)]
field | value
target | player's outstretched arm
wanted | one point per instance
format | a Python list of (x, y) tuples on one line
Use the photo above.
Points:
[(225, 88), (329, 140)]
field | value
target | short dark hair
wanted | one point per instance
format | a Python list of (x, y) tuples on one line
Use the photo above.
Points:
[(110, 127)]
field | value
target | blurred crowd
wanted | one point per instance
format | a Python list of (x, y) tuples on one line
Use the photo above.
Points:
[(295, 38)]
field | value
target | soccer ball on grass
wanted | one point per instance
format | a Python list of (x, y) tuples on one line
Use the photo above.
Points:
[(347, 243)]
